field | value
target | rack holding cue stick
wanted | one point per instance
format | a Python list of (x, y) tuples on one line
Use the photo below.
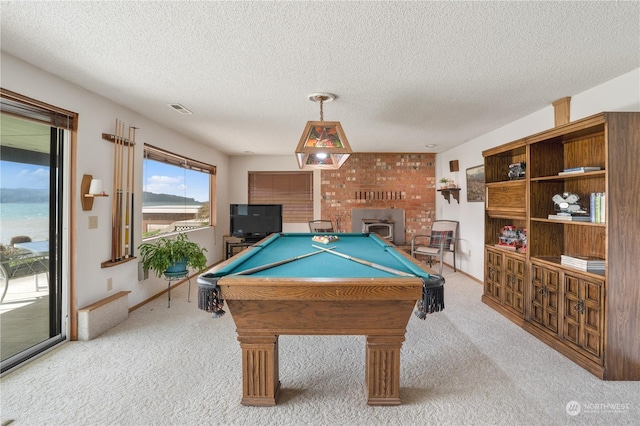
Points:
[(122, 247)]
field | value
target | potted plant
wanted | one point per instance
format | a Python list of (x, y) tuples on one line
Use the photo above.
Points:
[(172, 255), (443, 183)]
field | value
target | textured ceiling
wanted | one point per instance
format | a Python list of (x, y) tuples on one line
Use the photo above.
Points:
[(406, 74)]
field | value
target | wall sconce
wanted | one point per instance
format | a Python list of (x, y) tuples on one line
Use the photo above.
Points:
[(323, 144), (89, 189)]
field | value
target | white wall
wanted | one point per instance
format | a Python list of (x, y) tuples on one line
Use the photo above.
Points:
[(94, 156), (619, 94), (239, 181)]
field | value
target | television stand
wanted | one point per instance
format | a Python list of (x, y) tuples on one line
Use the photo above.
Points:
[(234, 245)]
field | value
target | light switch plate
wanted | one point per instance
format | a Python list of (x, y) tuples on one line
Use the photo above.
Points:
[(93, 222)]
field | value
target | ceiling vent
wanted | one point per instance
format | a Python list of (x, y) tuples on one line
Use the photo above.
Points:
[(180, 109)]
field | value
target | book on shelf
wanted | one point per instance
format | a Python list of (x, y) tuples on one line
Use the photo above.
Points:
[(597, 207), (570, 218), (574, 170), (582, 259), (586, 268), (584, 263)]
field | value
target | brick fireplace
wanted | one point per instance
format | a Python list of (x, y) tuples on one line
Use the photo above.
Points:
[(404, 182)]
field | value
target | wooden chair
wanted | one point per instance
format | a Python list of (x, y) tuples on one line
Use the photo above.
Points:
[(443, 239), (321, 226)]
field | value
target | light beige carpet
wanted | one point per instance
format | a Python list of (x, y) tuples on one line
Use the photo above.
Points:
[(464, 366)]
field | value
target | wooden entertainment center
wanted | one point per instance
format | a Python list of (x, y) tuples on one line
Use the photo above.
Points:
[(592, 317)]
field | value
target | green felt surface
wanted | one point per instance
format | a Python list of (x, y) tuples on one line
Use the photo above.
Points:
[(278, 247)]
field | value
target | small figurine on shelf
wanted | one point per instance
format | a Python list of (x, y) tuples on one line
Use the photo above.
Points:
[(509, 236), (512, 238), (517, 170), (522, 236)]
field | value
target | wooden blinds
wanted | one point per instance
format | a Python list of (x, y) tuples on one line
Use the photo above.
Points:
[(294, 190), (157, 154), (17, 105)]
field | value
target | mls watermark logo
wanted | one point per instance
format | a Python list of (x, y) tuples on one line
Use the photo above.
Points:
[(573, 408)]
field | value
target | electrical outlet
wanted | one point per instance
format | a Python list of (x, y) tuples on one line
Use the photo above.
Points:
[(109, 284), (469, 253)]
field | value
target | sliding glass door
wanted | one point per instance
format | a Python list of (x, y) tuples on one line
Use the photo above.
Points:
[(31, 237)]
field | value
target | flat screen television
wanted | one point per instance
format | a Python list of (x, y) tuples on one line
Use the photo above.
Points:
[(255, 221)]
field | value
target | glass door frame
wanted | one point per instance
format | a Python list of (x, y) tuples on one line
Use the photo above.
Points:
[(61, 207)]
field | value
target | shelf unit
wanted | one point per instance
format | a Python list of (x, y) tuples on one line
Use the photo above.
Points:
[(86, 199), (591, 317), (448, 192)]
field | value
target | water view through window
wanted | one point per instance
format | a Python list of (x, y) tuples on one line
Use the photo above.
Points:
[(174, 199)]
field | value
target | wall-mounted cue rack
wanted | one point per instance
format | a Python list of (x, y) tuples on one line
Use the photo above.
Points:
[(122, 247)]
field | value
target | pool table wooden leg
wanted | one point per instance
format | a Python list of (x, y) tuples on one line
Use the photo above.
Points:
[(383, 369), (260, 373)]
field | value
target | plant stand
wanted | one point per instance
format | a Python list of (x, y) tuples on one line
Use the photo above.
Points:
[(174, 276)]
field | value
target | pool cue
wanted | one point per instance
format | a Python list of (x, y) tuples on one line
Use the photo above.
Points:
[(366, 262), (133, 169), (116, 240), (114, 200), (119, 185), (274, 264), (127, 234), (123, 199)]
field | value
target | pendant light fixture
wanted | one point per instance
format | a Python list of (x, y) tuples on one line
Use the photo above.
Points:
[(323, 144)]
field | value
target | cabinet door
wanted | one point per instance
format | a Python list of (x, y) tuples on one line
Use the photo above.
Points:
[(514, 277), (544, 296), (493, 275), (552, 283), (583, 313), (506, 199)]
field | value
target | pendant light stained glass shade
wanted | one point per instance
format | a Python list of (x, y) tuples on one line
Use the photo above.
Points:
[(323, 145)]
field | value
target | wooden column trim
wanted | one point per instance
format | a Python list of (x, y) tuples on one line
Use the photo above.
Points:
[(562, 109)]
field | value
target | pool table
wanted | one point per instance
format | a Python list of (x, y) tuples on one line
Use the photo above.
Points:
[(320, 293)]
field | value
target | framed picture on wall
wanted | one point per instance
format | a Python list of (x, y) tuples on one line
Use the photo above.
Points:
[(475, 183)]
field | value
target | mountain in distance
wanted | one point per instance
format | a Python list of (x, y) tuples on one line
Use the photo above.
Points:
[(41, 195), (150, 198), (24, 195)]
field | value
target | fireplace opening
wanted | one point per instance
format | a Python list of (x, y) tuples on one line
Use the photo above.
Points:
[(384, 228), (388, 223)]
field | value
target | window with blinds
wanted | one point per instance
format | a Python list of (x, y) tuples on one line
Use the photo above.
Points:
[(13, 104), (178, 193), (294, 190)]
